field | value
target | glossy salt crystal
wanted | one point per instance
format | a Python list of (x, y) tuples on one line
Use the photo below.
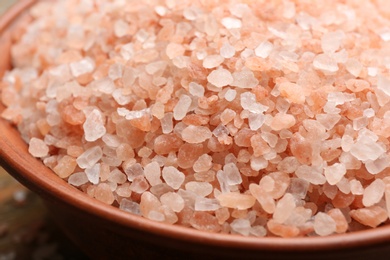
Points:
[(93, 173), (152, 173), (325, 63), (220, 77), (90, 157), (196, 90), (373, 193), (212, 61), (264, 49), (182, 107), (324, 225), (173, 200), (196, 134), (81, 67), (77, 179), (227, 51), (94, 126), (130, 206), (232, 173), (244, 79), (241, 226), (173, 177), (38, 148), (335, 173), (231, 23), (206, 204)]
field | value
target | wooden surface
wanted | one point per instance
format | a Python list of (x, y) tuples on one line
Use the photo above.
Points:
[(26, 229)]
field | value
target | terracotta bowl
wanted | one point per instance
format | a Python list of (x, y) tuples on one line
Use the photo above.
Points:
[(105, 232)]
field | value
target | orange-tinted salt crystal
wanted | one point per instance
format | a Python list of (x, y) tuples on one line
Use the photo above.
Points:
[(65, 167), (73, 116), (104, 194), (188, 154), (243, 137), (339, 218), (371, 216), (282, 121), (257, 64), (74, 151), (342, 200), (301, 149), (236, 200), (222, 215), (143, 123), (194, 119), (204, 221), (260, 147), (282, 230), (124, 190), (43, 126)]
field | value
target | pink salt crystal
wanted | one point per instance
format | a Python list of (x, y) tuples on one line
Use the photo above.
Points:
[(124, 190), (282, 121), (264, 49), (334, 173), (227, 115), (203, 163), (284, 208), (196, 89), (104, 194), (205, 221), (188, 154), (310, 174), (90, 157), (121, 28), (93, 173), (227, 51), (173, 200), (167, 143), (152, 173), (196, 134), (331, 41), (231, 23), (258, 163), (265, 199), (366, 149), (173, 177), (38, 148), (292, 92), (117, 176), (241, 226), (236, 200), (202, 189), (148, 203), (206, 204), (220, 77), (174, 49), (130, 206), (301, 148), (212, 61), (82, 67), (230, 94), (281, 230), (371, 216), (244, 79), (325, 63), (324, 225), (182, 107), (65, 167), (288, 164), (77, 179), (94, 126), (139, 185), (379, 165), (339, 219), (232, 173), (166, 123), (248, 102), (373, 193)]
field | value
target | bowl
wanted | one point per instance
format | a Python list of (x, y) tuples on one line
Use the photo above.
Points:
[(106, 232)]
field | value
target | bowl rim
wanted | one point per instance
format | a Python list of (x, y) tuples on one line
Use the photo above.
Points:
[(14, 157)]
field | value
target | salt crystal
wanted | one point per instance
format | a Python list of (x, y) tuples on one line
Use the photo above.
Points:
[(385, 34), (93, 173), (367, 149), (236, 200), (82, 67), (167, 123), (206, 204), (325, 63), (378, 165), (255, 121), (130, 206), (152, 173), (182, 107), (202, 189), (371, 216), (356, 187), (298, 188), (38, 148), (354, 67), (328, 120), (174, 50), (220, 77), (121, 28), (292, 92), (127, 51), (384, 84), (212, 61), (239, 9), (241, 226), (227, 51), (248, 102), (161, 10), (173, 200), (310, 174), (173, 177), (196, 90), (369, 112), (133, 171), (205, 221), (324, 225), (203, 163), (104, 194), (196, 134), (258, 163), (334, 173), (340, 98), (230, 95), (284, 208), (231, 23), (77, 179), (244, 79), (94, 125), (373, 193), (115, 71), (232, 173), (264, 49), (90, 157), (282, 121), (331, 41)]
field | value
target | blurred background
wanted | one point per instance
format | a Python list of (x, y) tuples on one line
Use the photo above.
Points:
[(26, 229)]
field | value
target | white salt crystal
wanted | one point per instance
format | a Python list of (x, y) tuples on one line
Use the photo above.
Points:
[(173, 200), (356, 187), (167, 123), (152, 173), (239, 9), (90, 157), (289, 9), (156, 216), (127, 51), (331, 41), (255, 121), (353, 66), (369, 112), (206, 204), (258, 163), (129, 115), (130, 206), (325, 63), (82, 67), (212, 61), (222, 180), (359, 123), (335, 173), (38, 148), (173, 177), (191, 13), (230, 94), (378, 165), (248, 102), (134, 171), (244, 79), (264, 49), (93, 173), (182, 107), (161, 10), (115, 71), (196, 90), (111, 140), (94, 126), (373, 193), (120, 98), (384, 33), (241, 226), (384, 84), (227, 51), (284, 208), (324, 224), (246, 53), (77, 179), (328, 120), (196, 134), (121, 28), (367, 149), (155, 67), (310, 174), (105, 85), (372, 71), (220, 77), (231, 23), (233, 175), (347, 143), (340, 98)]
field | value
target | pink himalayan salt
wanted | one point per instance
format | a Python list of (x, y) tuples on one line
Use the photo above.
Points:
[(281, 229), (104, 194), (173, 201), (38, 148), (236, 200), (339, 219), (282, 121), (292, 92), (324, 224), (220, 77), (196, 134), (371, 216), (373, 193), (173, 177)]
